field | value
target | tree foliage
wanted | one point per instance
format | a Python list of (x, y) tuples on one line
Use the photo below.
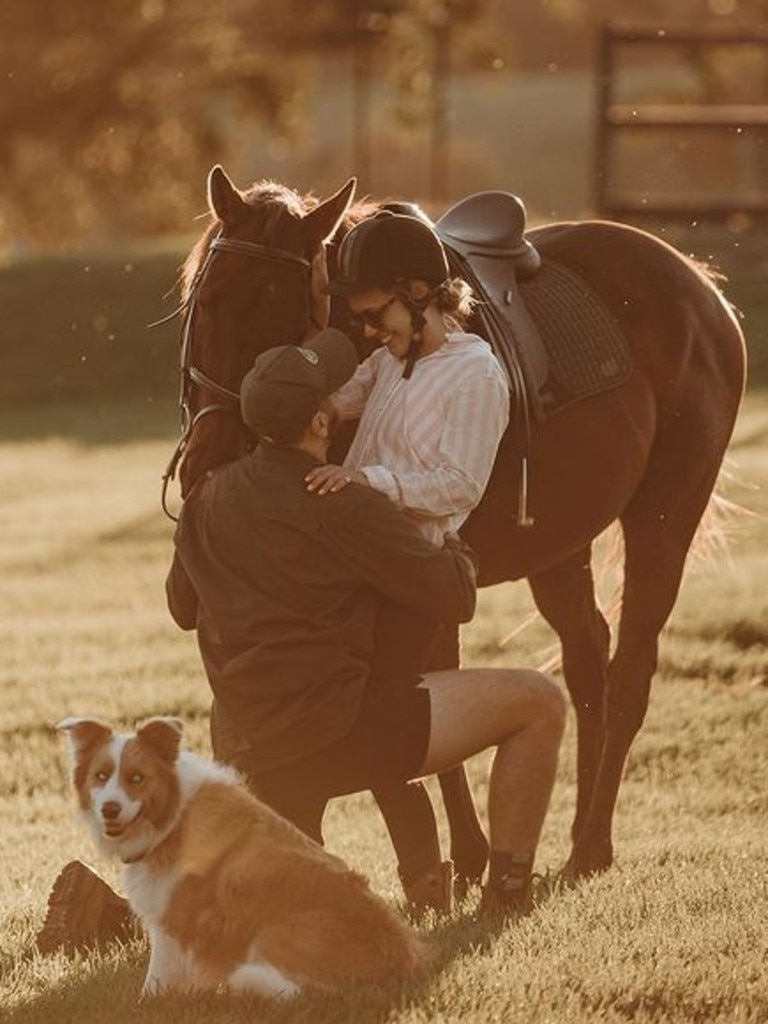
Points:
[(111, 111)]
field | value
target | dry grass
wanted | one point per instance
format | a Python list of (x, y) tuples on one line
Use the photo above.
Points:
[(674, 933)]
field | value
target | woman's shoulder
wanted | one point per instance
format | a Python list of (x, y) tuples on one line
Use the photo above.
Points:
[(473, 351)]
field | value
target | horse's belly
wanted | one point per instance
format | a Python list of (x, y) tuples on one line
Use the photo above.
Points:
[(585, 464)]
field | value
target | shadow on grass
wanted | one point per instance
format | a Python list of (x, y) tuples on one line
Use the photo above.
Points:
[(105, 987)]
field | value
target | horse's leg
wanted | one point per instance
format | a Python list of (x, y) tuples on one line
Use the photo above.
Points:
[(565, 596), (659, 525), (410, 820), (469, 846)]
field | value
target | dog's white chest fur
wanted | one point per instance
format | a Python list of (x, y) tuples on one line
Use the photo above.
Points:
[(150, 892)]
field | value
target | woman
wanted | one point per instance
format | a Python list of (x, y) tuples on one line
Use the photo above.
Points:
[(433, 404)]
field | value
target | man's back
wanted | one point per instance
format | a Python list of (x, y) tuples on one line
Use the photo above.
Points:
[(289, 584)]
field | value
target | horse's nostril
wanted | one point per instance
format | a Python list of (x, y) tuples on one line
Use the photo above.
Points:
[(110, 810)]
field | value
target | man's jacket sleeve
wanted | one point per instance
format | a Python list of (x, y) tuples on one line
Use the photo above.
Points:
[(388, 553), (181, 595)]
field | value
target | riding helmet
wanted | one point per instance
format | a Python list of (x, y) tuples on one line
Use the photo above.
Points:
[(389, 247)]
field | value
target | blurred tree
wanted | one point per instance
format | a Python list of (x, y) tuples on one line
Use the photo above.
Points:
[(111, 112)]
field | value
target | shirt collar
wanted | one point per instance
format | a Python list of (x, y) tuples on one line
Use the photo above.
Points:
[(284, 454)]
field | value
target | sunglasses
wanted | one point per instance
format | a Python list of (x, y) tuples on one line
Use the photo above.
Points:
[(373, 317)]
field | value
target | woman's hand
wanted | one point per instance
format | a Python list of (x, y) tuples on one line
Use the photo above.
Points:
[(328, 479)]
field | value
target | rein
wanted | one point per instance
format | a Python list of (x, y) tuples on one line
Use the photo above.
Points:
[(191, 375)]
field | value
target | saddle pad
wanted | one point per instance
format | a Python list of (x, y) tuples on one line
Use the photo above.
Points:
[(587, 350)]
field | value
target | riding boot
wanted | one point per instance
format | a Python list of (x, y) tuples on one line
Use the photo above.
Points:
[(509, 892)]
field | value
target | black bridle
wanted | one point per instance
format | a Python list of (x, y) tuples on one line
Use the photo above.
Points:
[(190, 374)]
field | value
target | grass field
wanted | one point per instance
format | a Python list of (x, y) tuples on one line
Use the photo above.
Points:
[(674, 932)]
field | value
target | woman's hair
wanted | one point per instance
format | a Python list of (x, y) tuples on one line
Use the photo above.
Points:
[(456, 301)]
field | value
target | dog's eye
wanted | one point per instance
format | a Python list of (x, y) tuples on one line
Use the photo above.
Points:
[(102, 776), (136, 779)]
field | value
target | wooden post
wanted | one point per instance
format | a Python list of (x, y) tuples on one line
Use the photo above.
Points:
[(439, 155), (605, 73)]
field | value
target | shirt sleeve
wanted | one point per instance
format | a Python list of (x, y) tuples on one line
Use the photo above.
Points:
[(349, 401), (475, 419), (388, 553)]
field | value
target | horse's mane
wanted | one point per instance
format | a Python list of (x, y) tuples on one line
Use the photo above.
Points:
[(269, 200)]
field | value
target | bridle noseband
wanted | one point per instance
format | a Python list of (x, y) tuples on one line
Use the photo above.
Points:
[(192, 375)]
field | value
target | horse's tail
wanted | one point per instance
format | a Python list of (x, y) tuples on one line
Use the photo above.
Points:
[(723, 519)]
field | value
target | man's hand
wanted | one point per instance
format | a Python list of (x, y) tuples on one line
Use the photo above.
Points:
[(329, 479)]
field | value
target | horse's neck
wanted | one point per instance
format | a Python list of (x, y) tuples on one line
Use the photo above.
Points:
[(213, 443)]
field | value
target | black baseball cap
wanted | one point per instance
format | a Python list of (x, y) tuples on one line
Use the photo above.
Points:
[(285, 386)]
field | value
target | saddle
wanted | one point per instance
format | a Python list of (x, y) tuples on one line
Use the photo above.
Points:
[(485, 244)]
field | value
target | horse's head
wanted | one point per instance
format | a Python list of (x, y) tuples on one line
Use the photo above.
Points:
[(246, 287)]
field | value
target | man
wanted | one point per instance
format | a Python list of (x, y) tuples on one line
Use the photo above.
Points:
[(285, 591)]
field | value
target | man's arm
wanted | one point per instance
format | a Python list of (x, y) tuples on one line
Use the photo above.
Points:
[(181, 595), (389, 554)]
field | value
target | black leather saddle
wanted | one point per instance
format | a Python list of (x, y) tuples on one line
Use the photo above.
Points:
[(484, 236)]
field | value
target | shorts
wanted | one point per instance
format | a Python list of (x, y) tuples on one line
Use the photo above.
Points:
[(387, 744)]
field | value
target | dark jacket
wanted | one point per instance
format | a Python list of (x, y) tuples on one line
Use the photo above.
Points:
[(284, 588)]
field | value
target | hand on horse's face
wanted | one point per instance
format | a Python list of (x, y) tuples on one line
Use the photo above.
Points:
[(328, 479)]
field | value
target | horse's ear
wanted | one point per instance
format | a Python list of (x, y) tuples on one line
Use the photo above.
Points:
[(321, 224), (225, 201)]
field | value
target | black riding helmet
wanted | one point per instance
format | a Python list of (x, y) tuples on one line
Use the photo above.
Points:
[(386, 248)]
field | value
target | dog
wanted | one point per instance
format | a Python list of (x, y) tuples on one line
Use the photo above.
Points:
[(232, 894)]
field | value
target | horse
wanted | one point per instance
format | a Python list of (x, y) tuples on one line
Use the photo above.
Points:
[(645, 453)]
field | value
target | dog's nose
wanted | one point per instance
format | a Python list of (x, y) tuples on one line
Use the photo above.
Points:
[(110, 810)]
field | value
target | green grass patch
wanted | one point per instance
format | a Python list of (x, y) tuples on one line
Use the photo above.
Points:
[(673, 933)]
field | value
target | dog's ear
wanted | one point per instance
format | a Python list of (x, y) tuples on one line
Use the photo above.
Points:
[(85, 733), (163, 736)]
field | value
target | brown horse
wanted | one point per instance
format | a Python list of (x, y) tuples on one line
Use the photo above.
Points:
[(646, 453)]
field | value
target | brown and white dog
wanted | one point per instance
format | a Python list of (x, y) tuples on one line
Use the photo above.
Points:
[(231, 893)]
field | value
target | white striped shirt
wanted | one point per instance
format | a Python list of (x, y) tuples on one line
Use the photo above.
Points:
[(429, 442)]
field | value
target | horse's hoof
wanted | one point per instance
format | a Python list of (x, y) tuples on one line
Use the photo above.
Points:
[(434, 890), (469, 866), (579, 868)]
